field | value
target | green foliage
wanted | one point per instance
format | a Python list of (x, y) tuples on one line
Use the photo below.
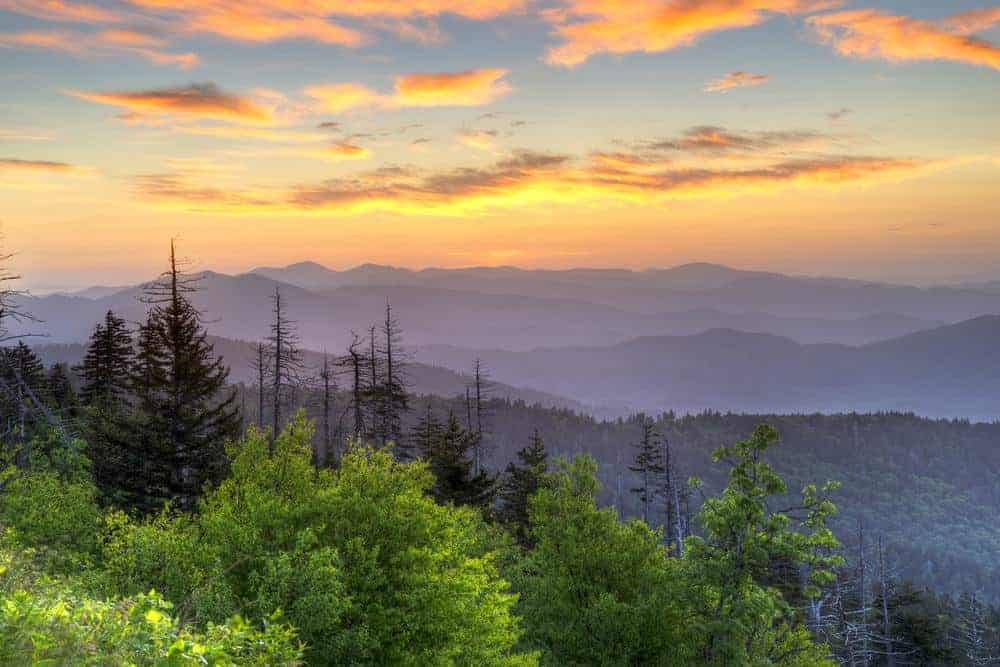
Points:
[(521, 480), (447, 452), (59, 518), (745, 622), (595, 590), (50, 621), (361, 560)]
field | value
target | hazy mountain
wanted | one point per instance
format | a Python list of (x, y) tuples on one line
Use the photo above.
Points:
[(239, 307), (951, 371), (422, 378), (682, 288)]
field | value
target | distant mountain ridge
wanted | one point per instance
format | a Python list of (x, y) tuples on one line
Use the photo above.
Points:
[(951, 371), (585, 334)]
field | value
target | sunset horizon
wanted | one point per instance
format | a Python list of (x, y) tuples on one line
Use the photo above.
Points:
[(804, 136)]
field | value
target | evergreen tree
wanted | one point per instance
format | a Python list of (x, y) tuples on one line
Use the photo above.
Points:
[(521, 481), (62, 396), (184, 412), (106, 367), (449, 460), (424, 435), (22, 376), (648, 465)]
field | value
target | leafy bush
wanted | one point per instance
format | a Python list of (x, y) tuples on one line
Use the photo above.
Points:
[(50, 621)]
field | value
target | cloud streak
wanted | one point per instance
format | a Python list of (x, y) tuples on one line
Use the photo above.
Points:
[(195, 101), (468, 88), (590, 27), (737, 79), (646, 175), (36, 166), (102, 43), (872, 34)]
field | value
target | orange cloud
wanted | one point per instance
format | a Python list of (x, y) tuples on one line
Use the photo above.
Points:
[(868, 33), (345, 150), (57, 10), (469, 88), (202, 101), (340, 97), (710, 139), (15, 164), (529, 178), (320, 20), (591, 27), (105, 42), (972, 21), (737, 79)]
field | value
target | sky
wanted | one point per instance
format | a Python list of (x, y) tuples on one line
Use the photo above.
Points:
[(825, 137)]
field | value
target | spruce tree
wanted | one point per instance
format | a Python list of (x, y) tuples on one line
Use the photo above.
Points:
[(521, 481), (62, 396), (106, 367), (185, 413), (24, 389), (425, 434), (449, 459), (648, 465)]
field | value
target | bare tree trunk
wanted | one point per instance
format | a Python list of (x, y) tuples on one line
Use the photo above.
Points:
[(260, 386), (890, 655)]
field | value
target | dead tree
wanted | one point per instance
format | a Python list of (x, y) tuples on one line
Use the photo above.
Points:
[(479, 412), (354, 364), (286, 360), (393, 394)]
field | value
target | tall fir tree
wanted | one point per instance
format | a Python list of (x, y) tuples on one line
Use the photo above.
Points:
[(521, 480), (648, 465), (425, 434), (185, 414), (22, 376), (106, 366), (449, 457), (62, 396)]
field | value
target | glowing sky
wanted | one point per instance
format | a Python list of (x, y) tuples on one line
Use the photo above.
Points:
[(809, 136)]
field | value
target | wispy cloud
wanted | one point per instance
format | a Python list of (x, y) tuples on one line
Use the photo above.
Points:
[(195, 101), (341, 22), (57, 10), (25, 134), (869, 33), (591, 27), (710, 139), (646, 175), (101, 43), (16, 164), (468, 88), (483, 140), (839, 115), (737, 79)]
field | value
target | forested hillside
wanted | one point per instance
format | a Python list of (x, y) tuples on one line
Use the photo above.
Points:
[(156, 510)]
